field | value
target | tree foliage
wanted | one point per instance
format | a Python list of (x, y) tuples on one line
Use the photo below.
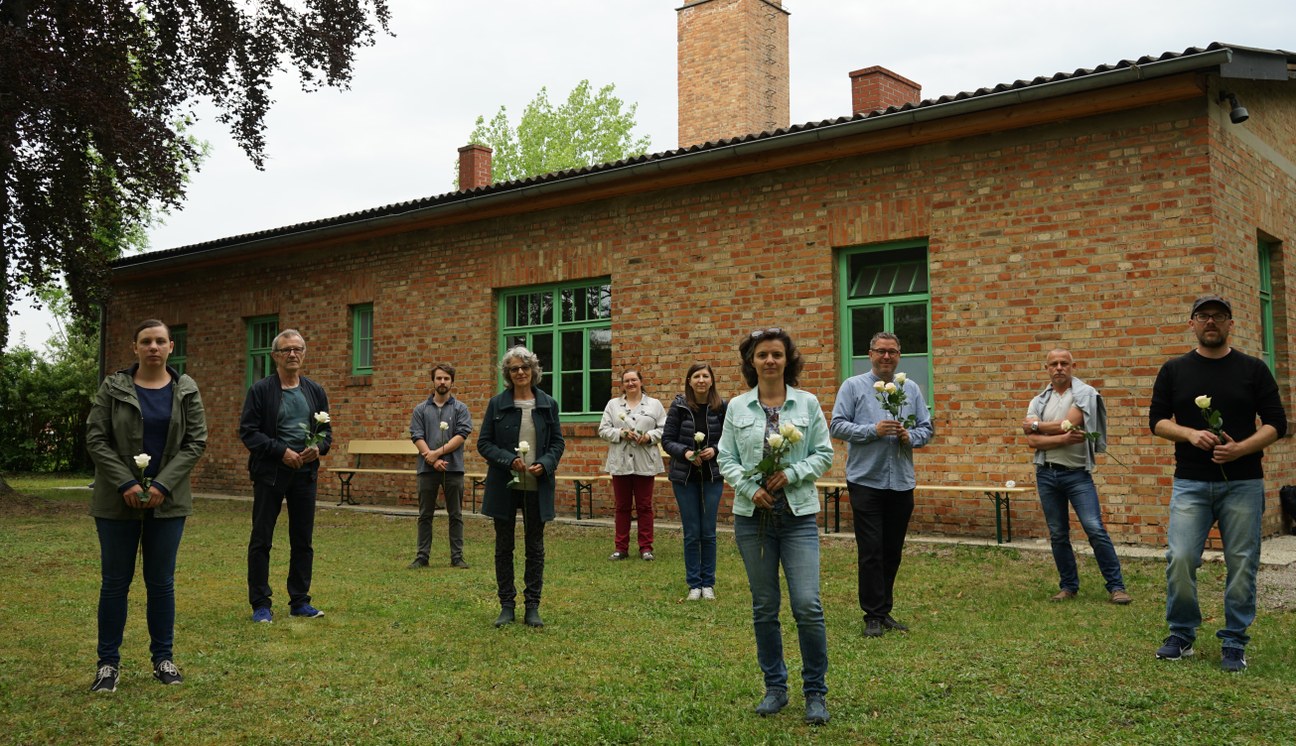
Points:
[(585, 130), (94, 99)]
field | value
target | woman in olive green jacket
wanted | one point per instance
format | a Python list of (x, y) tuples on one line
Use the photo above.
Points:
[(145, 433)]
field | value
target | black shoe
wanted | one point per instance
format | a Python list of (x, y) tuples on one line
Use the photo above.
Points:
[(105, 678), (890, 623), (166, 672), (873, 627), (1174, 648), (773, 701), (816, 710), (1233, 659), (459, 564), (418, 563), (505, 617), (532, 618)]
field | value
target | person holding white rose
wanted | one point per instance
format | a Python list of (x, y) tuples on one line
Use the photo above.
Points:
[(521, 440), (439, 428), (1218, 476), (632, 425), (140, 502), (286, 428), (691, 437), (775, 506), (1064, 459), (880, 472)]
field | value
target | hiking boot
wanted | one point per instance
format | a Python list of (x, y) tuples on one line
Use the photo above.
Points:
[(889, 622), (1063, 595), (873, 627), (459, 564), (1174, 648), (816, 710), (417, 564), (105, 678), (1120, 597), (166, 672)]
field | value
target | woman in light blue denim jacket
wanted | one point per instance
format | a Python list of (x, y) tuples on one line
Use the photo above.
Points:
[(774, 516)]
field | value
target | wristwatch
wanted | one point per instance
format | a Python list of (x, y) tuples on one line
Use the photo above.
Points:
[(1035, 426)]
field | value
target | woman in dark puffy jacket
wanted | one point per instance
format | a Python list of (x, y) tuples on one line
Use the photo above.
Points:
[(691, 437)]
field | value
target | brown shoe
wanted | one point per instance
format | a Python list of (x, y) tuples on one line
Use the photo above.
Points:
[(1121, 597), (1064, 595)]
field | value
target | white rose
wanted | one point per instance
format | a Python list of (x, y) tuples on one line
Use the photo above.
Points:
[(523, 447), (786, 430), (878, 385), (890, 388), (1066, 426), (445, 426), (142, 461), (795, 436), (900, 378), (1010, 484), (698, 438), (623, 416), (1203, 402), (322, 418), (775, 441)]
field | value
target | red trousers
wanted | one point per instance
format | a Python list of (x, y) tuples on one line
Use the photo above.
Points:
[(636, 489)]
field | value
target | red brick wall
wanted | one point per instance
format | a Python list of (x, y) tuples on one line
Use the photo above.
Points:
[(1094, 235)]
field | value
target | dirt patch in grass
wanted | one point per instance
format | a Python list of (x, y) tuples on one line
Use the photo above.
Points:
[(17, 504)]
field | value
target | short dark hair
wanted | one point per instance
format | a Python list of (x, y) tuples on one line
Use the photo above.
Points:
[(747, 348), (149, 324), (447, 367), (713, 397)]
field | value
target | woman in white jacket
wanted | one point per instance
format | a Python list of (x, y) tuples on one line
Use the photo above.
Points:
[(632, 425)]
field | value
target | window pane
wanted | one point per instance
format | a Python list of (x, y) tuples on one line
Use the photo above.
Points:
[(911, 327), (600, 302), (600, 388), (573, 351), (542, 346), (513, 340), (570, 309), (571, 399), (600, 349), (918, 370), (865, 322)]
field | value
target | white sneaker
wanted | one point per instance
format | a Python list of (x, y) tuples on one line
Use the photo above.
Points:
[(694, 594), (708, 593)]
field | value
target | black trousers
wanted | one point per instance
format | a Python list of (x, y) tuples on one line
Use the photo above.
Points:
[(533, 537), (881, 522), (297, 489)]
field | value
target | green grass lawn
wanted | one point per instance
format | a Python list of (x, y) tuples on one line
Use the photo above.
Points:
[(408, 656)]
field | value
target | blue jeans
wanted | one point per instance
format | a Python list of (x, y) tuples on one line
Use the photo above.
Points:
[(1194, 507), (1056, 489), (158, 540), (699, 502), (794, 542)]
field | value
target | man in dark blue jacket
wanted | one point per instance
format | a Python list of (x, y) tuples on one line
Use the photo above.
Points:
[(285, 426)]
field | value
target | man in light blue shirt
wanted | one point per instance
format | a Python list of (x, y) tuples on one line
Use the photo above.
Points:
[(880, 473)]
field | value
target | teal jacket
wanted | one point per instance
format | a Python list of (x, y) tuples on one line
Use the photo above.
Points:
[(742, 446), (115, 434)]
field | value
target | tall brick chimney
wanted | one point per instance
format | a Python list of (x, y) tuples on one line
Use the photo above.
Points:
[(875, 88), (733, 69), (474, 166)]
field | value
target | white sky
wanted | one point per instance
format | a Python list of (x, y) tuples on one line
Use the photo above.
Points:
[(393, 136)]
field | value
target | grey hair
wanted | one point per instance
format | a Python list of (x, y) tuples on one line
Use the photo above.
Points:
[(287, 333), (884, 335), (527, 358)]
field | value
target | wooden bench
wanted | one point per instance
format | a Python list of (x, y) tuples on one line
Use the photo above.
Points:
[(999, 494), (377, 448)]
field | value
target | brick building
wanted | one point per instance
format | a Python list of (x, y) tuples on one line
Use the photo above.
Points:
[(1084, 209)]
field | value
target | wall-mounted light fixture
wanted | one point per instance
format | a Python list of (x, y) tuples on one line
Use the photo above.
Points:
[(1238, 114)]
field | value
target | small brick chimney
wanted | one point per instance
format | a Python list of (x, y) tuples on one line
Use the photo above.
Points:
[(875, 88), (474, 166), (733, 69)]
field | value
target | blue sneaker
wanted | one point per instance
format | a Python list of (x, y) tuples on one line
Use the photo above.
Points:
[(1174, 648), (262, 614), (307, 611), (1232, 659)]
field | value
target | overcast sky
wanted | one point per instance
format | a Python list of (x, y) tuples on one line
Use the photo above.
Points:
[(394, 135)]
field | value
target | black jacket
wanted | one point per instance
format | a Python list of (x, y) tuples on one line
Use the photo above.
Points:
[(259, 427), (497, 443), (677, 438)]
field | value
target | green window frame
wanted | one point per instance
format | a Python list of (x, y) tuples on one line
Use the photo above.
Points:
[(261, 331), (1267, 338), (180, 353), (362, 339), (886, 288), (569, 327)]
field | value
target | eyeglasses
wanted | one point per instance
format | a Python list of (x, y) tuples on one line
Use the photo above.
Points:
[(773, 331), (517, 368), (290, 350), (1218, 318), (884, 353)]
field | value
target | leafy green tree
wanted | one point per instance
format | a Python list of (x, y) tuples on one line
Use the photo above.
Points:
[(585, 130), (94, 99)]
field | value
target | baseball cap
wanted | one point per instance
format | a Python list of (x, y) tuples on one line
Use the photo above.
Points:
[(1210, 299)]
